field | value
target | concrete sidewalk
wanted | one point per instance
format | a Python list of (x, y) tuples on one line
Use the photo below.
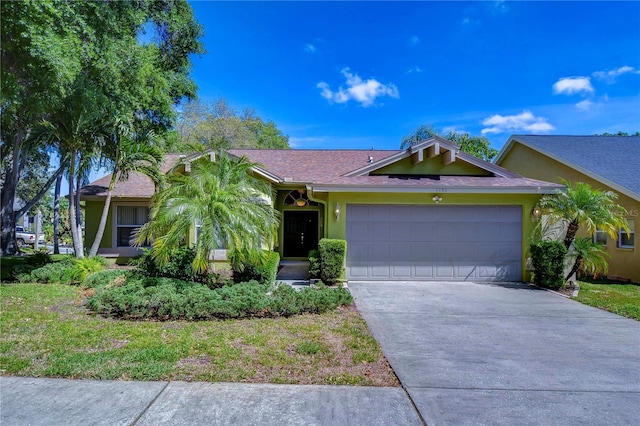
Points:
[(35, 401)]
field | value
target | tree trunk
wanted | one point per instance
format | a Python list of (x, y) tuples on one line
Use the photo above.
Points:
[(103, 219), (56, 214), (572, 229), (77, 240), (8, 243), (574, 269)]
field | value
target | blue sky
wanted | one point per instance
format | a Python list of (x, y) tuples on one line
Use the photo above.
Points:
[(364, 74)]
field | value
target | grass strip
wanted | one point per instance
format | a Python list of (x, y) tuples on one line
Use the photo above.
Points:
[(46, 331)]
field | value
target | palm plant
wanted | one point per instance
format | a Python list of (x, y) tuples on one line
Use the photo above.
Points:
[(589, 257), (231, 206), (130, 154), (78, 130), (583, 206)]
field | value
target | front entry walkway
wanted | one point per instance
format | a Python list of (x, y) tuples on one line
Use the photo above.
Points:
[(294, 273), (504, 354)]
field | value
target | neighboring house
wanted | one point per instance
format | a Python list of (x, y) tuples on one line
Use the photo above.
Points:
[(429, 212), (609, 163)]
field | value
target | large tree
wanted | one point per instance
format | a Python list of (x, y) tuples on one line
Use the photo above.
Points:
[(216, 125), (49, 45), (478, 146), (231, 207)]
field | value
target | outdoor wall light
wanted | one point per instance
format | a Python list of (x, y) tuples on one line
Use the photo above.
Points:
[(535, 214), (337, 211), (436, 199)]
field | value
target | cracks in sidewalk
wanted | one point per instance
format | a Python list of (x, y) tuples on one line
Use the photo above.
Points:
[(142, 413)]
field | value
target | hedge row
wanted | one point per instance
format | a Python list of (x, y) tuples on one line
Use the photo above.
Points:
[(169, 299)]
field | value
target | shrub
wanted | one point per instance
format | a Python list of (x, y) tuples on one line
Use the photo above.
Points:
[(332, 257), (165, 298), (264, 271), (179, 265), (548, 261), (104, 277), (314, 264), (68, 271), (39, 258)]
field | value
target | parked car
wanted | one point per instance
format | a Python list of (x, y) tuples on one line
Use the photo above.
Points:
[(27, 238)]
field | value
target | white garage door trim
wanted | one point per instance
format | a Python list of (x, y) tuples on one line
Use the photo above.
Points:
[(434, 243)]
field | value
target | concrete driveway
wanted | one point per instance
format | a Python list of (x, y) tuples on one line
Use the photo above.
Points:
[(470, 353)]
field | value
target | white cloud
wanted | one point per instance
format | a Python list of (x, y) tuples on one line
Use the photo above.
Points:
[(571, 85), (584, 105), (524, 121), (310, 48), (413, 69), (610, 76), (414, 40), (363, 91)]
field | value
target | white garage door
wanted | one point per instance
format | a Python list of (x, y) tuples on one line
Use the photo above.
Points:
[(443, 243)]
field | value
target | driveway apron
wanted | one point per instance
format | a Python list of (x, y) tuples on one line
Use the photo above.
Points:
[(506, 353)]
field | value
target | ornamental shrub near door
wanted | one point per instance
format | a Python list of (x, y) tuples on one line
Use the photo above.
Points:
[(548, 261), (332, 257)]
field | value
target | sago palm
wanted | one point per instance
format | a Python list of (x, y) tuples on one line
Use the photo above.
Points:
[(232, 207), (583, 206), (590, 257)]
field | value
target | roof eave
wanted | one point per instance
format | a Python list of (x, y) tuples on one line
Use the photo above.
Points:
[(451, 190)]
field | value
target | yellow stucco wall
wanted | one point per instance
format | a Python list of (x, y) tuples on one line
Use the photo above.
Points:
[(624, 262), (93, 212), (432, 166), (338, 228)]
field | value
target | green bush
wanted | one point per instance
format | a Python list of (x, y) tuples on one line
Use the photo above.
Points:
[(332, 257), (68, 271), (103, 277), (264, 271), (314, 264), (179, 265), (165, 299), (548, 262), (39, 258)]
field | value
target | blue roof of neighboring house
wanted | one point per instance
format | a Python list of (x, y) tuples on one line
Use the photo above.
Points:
[(614, 158)]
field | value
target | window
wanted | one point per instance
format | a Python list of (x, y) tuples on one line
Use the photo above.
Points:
[(128, 220), (600, 237), (625, 239), (298, 198)]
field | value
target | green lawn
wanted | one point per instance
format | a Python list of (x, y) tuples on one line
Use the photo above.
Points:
[(47, 332), (621, 299)]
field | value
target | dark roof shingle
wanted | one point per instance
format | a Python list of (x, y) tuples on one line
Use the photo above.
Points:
[(614, 158)]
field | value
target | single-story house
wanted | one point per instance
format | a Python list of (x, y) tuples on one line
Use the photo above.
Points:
[(610, 163), (430, 212)]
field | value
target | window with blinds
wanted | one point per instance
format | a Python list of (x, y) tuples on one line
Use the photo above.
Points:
[(128, 220)]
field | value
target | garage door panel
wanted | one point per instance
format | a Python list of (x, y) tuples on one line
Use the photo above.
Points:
[(444, 271), (400, 231), (434, 242), (424, 272)]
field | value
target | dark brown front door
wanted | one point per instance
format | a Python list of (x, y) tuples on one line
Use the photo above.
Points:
[(300, 233)]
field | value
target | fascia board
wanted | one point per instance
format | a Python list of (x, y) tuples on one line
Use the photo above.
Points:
[(440, 189), (378, 164), (574, 166)]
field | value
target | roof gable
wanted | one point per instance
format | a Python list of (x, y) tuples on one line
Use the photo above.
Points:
[(612, 160), (433, 149)]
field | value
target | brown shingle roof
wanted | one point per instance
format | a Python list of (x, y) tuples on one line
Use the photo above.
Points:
[(326, 168), (137, 186), (311, 165)]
